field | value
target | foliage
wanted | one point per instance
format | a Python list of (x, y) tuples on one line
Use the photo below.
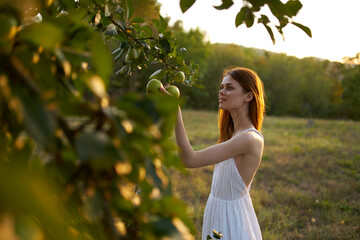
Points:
[(307, 87), (216, 235), (250, 14), (89, 164), (351, 84), (199, 50)]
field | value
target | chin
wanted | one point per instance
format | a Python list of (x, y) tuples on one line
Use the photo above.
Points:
[(221, 107)]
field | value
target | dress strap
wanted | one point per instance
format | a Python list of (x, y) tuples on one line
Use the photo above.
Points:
[(253, 129)]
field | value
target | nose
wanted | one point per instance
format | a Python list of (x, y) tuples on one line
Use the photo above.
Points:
[(221, 92)]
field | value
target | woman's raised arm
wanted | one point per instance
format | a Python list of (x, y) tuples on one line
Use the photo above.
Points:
[(185, 149), (247, 142)]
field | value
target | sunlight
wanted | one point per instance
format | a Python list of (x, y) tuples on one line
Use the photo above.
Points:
[(333, 37)]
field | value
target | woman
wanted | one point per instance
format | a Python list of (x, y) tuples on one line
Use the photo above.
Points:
[(237, 156)]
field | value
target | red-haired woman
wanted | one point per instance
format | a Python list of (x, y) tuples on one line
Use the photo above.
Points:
[(237, 156)]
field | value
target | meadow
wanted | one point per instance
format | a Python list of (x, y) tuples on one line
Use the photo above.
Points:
[(308, 183)]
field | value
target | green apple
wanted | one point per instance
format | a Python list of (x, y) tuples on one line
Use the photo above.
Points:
[(153, 86), (173, 90), (179, 77)]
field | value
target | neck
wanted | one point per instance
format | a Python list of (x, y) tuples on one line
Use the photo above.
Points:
[(241, 120)]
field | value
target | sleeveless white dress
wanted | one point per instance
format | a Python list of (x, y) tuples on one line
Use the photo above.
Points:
[(229, 208)]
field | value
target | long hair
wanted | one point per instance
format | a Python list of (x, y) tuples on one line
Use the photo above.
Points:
[(251, 82)]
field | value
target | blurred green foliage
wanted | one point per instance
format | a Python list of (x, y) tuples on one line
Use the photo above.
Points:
[(78, 162)]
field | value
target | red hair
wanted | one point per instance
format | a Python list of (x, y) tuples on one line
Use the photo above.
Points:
[(251, 82)]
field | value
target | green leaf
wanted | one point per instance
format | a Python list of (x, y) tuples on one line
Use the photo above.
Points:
[(225, 5), (156, 23), (27, 228), (293, 7), (270, 33), (304, 28), (264, 19), (283, 22), (245, 15), (93, 209), (116, 51), (239, 19), (39, 123), (36, 34), (146, 32), (117, 57), (105, 21), (17, 183), (77, 15), (129, 8), (138, 20), (250, 20), (179, 60), (257, 4), (186, 4), (101, 58), (277, 8), (165, 45), (70, 4), (163, 25), (137, 27), (96, 148), (159, 74)]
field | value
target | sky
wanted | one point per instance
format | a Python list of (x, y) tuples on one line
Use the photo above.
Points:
[(335, 27)]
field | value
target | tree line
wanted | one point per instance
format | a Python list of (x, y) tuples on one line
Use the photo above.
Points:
[(308, 87)]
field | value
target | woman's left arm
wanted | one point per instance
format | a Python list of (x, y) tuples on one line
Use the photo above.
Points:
[(243, 143)]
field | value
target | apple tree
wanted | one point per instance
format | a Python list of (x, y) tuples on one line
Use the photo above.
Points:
[(76, 161)]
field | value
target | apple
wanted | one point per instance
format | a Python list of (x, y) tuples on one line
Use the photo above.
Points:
[(179, 77), (153, 86), (173, 90)]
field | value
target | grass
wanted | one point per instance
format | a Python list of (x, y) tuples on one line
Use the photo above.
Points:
[(307, 186)]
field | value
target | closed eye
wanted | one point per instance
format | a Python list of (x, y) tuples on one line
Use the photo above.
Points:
[(227, 85)]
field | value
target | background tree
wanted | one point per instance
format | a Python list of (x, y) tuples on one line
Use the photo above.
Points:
[(193, 41), (351, 85)]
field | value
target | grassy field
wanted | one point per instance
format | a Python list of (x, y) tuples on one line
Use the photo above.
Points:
[(308, 184)]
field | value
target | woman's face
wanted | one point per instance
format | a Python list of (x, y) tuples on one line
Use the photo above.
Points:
[(231, 94)]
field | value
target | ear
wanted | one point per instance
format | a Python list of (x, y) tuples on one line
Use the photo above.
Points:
[(249, 96)]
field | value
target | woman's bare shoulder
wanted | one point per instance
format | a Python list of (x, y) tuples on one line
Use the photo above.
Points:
[(252, 139)]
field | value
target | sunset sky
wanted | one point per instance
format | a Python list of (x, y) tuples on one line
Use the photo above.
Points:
[(334, 25)]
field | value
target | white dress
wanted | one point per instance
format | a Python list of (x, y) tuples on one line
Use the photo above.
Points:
[(229, 208)]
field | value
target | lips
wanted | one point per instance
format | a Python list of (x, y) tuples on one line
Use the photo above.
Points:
[(221, 100)]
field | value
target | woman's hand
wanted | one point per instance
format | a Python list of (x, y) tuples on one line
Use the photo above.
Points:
[(164, 91)]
